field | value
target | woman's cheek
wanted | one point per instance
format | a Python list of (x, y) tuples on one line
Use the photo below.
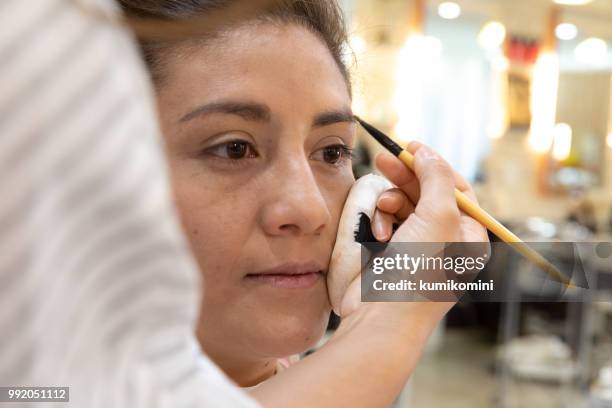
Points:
[(337, 189), (215, 242), (192, 197)]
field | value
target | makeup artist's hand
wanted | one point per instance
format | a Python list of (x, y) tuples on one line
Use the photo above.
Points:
[(433, 214), (392, 208)]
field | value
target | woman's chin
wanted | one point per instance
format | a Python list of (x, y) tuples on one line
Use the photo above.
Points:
[(264, 322), (285, 337)]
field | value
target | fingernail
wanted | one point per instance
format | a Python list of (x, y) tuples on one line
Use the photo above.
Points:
[(379, 231), (383, 197), (426, 153), (413, 145)]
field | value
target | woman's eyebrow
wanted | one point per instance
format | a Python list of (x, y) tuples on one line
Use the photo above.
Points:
[(247, 110), (332, 117)]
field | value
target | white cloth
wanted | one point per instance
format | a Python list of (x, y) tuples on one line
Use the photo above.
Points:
[(360, 206), (98, 290)]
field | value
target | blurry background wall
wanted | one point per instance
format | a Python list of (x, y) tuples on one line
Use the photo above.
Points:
[(467, 88)]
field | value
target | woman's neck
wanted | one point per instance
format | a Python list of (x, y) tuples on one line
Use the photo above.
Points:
[(244, 371)]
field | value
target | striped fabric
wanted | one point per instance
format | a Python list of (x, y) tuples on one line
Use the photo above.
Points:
[(98, 290)]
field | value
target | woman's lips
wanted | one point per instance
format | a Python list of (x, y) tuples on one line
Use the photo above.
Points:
[(289, 276)]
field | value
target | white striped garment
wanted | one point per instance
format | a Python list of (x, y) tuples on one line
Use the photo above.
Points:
[(98, 290)]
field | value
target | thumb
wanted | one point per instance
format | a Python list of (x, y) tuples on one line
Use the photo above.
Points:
[(437, 203)]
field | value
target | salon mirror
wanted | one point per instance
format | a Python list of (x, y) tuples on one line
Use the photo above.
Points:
[(583, 107)]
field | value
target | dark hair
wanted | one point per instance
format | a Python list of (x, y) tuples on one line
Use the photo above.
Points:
[(322, 17)]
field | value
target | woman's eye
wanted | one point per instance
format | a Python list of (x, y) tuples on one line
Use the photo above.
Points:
[(334, 154), (234, 150)]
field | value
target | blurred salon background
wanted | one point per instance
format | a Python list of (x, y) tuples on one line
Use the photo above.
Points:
[(516, 95)]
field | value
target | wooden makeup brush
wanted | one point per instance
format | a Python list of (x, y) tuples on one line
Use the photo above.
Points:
[(473, 210)]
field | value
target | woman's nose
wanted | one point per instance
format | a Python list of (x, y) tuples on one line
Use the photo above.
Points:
[(296, 205)]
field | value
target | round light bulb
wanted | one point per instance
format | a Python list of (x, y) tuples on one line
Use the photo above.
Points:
[(492, 35), (573, 2), (449, 10), (592, 51), (566, 31)]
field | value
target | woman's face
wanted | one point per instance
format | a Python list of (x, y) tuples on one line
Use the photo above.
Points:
[(257, 125)]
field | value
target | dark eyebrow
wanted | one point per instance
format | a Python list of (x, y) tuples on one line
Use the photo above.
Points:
[(332, 117), (247, 110)]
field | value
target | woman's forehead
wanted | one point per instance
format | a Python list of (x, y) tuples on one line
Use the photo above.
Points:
[(280, 66), (289, 49)]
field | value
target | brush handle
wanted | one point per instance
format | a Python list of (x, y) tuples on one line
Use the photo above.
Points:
[(473, 210)]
